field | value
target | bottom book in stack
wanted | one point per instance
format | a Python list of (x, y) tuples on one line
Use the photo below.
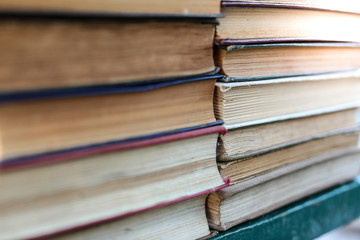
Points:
[(184, 220), (252, 198)]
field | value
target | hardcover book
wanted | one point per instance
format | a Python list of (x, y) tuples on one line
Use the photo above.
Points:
[(247, 103), (181, 221), (253, 140), (264, 61), (246, 168), (53, 52), (139, 8), (246, 22), (344, 6), (38, 122)]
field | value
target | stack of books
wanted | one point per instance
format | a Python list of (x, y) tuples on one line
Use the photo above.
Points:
[(113, 114), (106, 119), (288, 99)]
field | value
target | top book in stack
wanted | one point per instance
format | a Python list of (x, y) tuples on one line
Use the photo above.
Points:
[(70, 50), (117, 7), (285, 21)]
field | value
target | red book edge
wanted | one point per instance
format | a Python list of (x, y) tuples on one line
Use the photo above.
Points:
[(71, 155), (117, 217)]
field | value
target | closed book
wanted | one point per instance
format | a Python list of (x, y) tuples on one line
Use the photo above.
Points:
[(266, 22), (250, 167), (138, 8), (41, 122), (247, 103), (253, 140), (54, 52), (264, 61), (343, 6), (184, 220)]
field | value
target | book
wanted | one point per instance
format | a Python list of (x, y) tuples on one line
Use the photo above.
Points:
[(261, 61), (326, 210), (247, 103), (242, 202), (249, 23), (62, 196), (245, 168), (258, 139), (184, 220), (54, 52), (139, 8), (43, 122), (345, 6)]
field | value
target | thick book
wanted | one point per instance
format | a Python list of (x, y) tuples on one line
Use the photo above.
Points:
[(115, 183), (247, 103), (48, 121), (250, 167), (261, 61), (242, 202), (55, 52), (138, 8), (253, 140), (182, 221), (251, 23)]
